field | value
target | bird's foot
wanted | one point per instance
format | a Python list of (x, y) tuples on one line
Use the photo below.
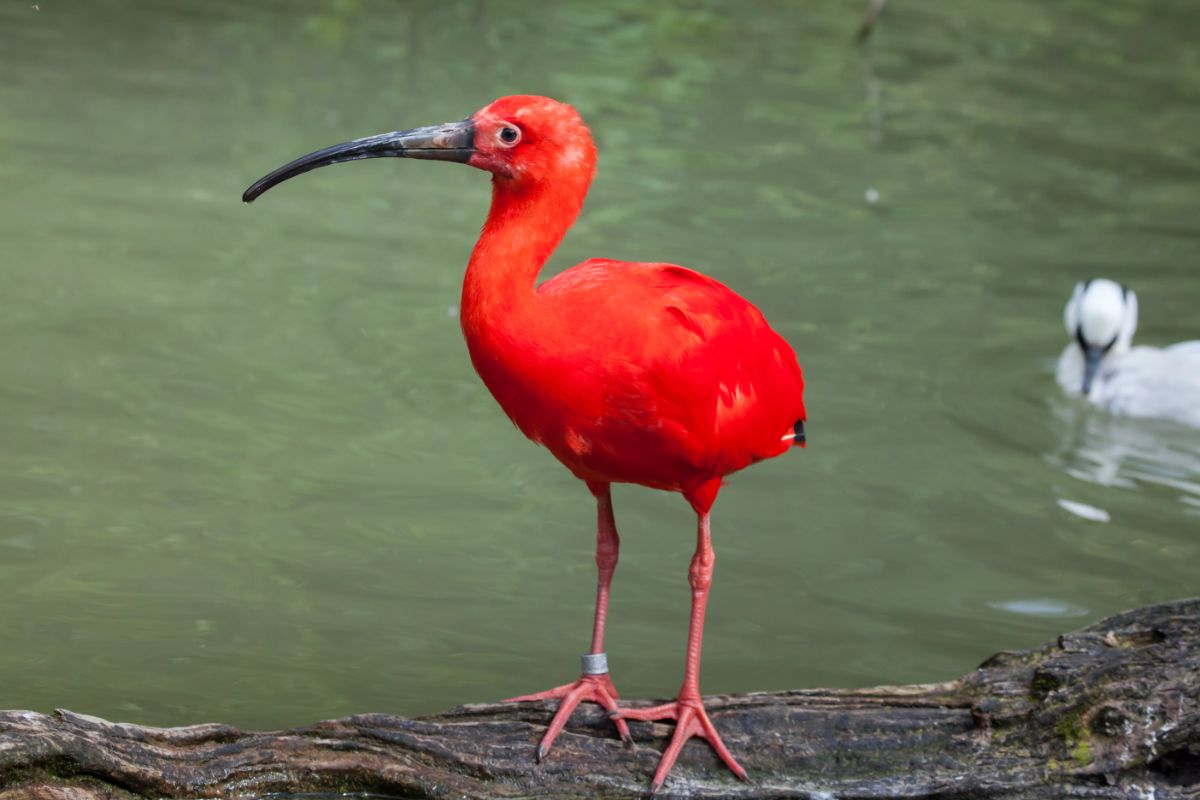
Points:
[(597, 689), (690, 720)]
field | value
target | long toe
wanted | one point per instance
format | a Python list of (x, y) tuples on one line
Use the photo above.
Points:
[(565, 708), (652, 714), (714, 739), (685, 729), (609, 703)]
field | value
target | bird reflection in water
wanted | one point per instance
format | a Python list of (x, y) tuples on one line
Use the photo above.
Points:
[(1127, 452)]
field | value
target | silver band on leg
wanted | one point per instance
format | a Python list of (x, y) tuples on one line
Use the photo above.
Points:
[(594, 663)]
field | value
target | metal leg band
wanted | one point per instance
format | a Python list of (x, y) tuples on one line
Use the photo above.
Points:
[(594, 663)]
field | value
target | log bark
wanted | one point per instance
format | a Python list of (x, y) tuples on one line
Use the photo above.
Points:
[(1111, 711)]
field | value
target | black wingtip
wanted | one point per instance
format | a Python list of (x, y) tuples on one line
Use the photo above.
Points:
[(798, 428)]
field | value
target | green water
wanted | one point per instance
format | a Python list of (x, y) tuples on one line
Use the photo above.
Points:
[(247, 473)]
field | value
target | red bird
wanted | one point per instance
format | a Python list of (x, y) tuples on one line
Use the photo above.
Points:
[(628, 373)]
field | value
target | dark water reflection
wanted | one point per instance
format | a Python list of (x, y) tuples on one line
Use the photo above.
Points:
[(247, 473)]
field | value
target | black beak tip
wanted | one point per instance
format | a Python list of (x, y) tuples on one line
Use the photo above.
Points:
[(251, 194), (798, 429)]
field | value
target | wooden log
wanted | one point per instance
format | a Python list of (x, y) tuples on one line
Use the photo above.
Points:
[(1111, 711)]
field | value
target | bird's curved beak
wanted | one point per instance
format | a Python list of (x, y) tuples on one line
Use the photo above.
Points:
[(453, 141), (1091, 365)]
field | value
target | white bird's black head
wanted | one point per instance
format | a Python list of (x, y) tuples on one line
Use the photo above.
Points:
[(1101, 316)]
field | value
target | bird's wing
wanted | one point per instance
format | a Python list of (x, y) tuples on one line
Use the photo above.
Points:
[(1153, 382), (692, 350)]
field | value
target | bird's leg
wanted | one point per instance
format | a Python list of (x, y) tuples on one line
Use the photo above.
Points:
[(594, 684), (688, 709)]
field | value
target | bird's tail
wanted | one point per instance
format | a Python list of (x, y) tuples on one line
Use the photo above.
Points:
[(797, 434)]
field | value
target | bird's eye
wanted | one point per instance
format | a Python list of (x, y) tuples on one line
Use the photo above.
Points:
[(509, 136)]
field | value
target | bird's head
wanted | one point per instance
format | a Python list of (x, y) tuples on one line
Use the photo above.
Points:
[(527, 139), (1101, 316), (523, 140)]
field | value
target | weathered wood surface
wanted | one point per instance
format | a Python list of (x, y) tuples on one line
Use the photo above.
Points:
[(1111, 711)]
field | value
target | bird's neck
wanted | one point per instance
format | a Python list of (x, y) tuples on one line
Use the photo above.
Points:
[(523, 227)]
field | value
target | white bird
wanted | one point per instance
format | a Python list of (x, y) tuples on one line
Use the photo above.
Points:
[(1103, 366)]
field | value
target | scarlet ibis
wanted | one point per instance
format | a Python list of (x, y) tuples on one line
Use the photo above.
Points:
[(628, 373), (1102, 365)]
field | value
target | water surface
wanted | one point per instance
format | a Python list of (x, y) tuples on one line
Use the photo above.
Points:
[(247, 473)]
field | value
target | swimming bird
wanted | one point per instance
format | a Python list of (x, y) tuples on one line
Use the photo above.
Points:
[(1102, 365), (643, 373)]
